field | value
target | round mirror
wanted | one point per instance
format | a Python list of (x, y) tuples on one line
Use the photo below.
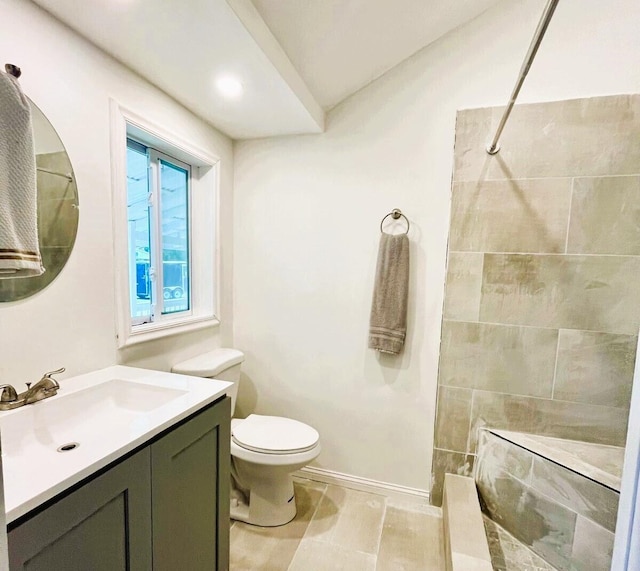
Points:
[(57, 210)]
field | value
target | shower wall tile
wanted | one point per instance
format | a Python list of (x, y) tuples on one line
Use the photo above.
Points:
[(472, 129), (575, 421), (503, 358), (497, 455), (595, 368), (510, 215), (544, 259), (52, 186), (592, 547), (463, 286), (447, 462), (571, 292), (452, 418), (543, 525), (57, 202), (580, 137), (57, 222), (581, 495), (605, 215)]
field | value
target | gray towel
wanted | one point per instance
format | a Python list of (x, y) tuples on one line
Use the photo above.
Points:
[(19, 250), (388, 323)]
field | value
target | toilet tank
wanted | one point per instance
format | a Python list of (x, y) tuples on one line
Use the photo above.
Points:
[(221, 364)]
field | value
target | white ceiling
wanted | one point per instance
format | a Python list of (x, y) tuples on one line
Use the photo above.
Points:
[(294, 57), (339, 46)]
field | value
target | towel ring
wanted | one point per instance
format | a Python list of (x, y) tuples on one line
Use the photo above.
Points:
[(395, 214), (13, 70)]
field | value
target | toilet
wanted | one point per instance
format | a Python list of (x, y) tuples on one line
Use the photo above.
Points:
[(265, 450)]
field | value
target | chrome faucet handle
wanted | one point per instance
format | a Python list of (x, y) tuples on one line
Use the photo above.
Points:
[(56, 372), (9, 394)]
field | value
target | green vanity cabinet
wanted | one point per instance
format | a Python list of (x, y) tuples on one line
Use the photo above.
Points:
[(103, 526), (165, 507), (190, 494)]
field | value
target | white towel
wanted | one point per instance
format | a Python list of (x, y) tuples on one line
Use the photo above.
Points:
[(19, 250)]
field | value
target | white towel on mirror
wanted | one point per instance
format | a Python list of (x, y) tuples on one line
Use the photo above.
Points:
[(19, 249)]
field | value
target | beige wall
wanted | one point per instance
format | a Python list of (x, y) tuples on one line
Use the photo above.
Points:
[(541, 315), (72, 322), (307, 215)]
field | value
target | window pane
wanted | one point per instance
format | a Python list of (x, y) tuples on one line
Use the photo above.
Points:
[(174, 183), (140, 291)]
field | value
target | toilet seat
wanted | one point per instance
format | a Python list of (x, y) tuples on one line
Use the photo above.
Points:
[(273, 435)]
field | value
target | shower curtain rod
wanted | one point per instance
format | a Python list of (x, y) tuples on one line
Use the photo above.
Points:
[(549, 9), (56, 173)]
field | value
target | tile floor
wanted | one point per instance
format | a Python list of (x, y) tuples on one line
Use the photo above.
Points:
[(342, 529)]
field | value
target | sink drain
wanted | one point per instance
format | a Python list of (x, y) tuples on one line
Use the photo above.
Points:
[(67, 447)]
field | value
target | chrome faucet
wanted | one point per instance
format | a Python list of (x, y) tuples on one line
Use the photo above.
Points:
[(46, 387)]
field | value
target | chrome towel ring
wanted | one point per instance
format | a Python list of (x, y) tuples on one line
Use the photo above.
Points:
[(395, 214)]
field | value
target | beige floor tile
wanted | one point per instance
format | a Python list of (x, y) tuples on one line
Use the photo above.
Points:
[(411, 541), (348, 518), (313, 555), (256, 548)]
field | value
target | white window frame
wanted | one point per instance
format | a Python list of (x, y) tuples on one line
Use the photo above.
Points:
[(204, 228)]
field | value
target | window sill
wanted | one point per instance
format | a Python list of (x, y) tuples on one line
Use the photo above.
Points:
[(153, 331)]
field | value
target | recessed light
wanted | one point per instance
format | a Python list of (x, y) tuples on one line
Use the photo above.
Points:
[(229, 87)]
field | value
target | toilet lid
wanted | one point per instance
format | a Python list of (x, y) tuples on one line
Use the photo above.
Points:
[(274, 434)]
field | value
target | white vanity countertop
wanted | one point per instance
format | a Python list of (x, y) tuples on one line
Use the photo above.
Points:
[(108, 412)]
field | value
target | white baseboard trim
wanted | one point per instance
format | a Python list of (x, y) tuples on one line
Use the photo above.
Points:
[(364, 485)]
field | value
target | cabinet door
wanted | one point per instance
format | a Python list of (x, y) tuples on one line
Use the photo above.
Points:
[(102, 526), (190, 493)]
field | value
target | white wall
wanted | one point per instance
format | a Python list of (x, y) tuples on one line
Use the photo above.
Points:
[(307, 210), (72, 322)]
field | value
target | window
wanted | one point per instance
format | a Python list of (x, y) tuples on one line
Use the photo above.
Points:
[(158, 203), (165, 231)]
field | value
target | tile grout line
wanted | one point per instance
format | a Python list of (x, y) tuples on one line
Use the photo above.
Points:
[(384, 518), (313, 515), (566, 241), (519, 395), (473, 394), (551, 254), (523, 325), (551, 177), (555, 368)]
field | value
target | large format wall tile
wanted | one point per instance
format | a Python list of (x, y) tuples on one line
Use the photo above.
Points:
[(447, 462), (592, 547), (580, 137), (543, 237), (463, 286), (604, 215), (595, 368), (581, 495), (495, 453), (575, 421), (502, 358), (452, 418), (510, 215), (546, 527), (572, 292)]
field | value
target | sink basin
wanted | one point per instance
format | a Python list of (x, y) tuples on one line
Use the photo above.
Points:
[(86, 416), (105, 414)]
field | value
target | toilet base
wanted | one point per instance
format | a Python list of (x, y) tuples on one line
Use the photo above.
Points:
[(271, 504)]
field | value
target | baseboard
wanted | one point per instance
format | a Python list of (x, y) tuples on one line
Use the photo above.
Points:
[(402, 493)]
